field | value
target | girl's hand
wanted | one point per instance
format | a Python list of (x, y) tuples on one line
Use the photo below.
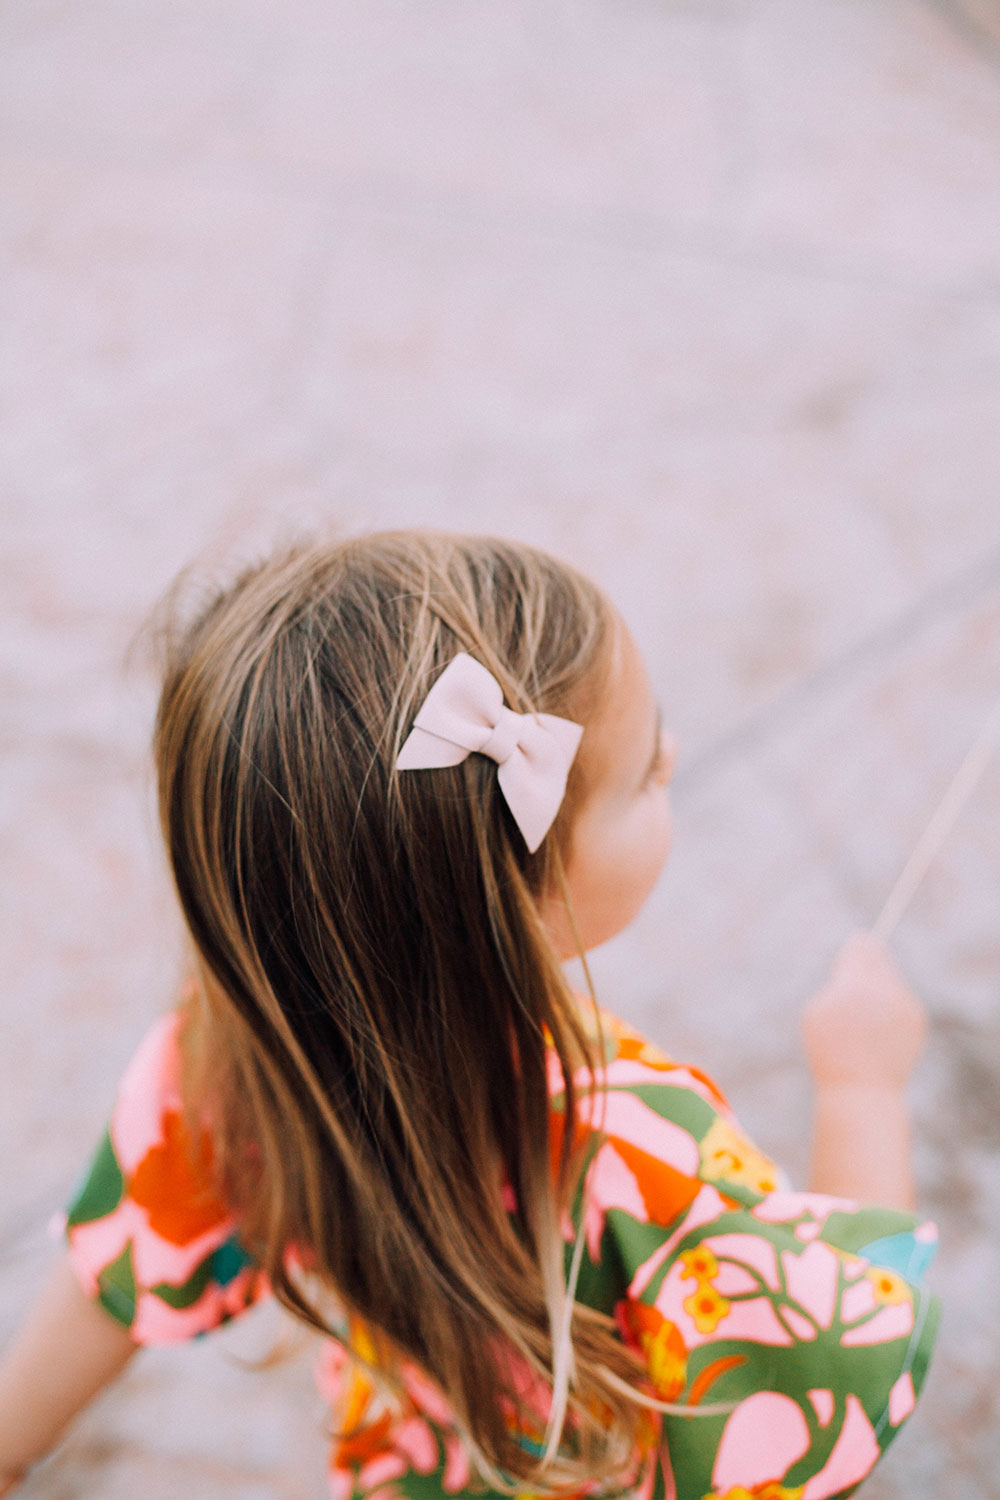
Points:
[(9, 1482), (864, 1027)]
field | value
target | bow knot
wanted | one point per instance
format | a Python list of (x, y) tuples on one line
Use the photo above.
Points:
[(505, 736), (464, 713)]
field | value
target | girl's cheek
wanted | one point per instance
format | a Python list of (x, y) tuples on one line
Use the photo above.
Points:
[(658, 828), (643, 848)]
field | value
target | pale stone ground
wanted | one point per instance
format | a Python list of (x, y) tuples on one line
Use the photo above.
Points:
[(705, 296)]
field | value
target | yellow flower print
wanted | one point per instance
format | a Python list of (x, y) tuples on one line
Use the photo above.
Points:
[(667, 1360), (700, 1264), (759, 1492), (625, 1042), (662, 1346), (888, 1287), (646, 1431), (706, 1308), (726, 1156)]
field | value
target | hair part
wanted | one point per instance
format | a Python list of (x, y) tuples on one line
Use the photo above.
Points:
[(377, 993)]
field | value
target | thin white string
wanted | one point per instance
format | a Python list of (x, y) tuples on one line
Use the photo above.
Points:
[(940, 825)]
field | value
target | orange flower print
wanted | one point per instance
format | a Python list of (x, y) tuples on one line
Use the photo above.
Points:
[(700, 1264), (667, 1358), (363, 1424), (706, 1308), (888, 1287), (661, 1343), (636, 1049), (361, 1446), (632, 1047), (173, 1184)]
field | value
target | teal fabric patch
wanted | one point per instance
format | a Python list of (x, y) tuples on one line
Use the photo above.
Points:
[(228, 1261), (909, 1257)]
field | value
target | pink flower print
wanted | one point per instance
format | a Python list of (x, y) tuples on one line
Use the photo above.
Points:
[(854, 1455), (748, 1250), (811, 1279), (457, 1473), (96, 1244), (744, 1262), (705, 1209), (783, 1207), (340, 1483), (754, 1319), (331, 1369), (765, 1435), (798, 1323), (902, 1399), (415, 1440), (858, 1300), (150, 1085), (629, 1121), (156, 1323), (425, 1395), (379, 1470), (822, 1405), (614, 1185), (889, 1323), (808, 1230), (878, 1306)]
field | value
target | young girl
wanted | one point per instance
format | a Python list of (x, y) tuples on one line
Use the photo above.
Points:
[(401, 779)]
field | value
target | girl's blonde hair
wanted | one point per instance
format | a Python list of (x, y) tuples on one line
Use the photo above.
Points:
[(376, 988)]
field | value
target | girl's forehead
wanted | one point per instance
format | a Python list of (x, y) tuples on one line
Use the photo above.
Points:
[(627, 685)]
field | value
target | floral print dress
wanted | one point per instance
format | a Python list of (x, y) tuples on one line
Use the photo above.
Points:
[(791, 1329)]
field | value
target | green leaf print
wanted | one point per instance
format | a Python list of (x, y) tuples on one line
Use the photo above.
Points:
[(219, 1268), (187, 1294), (117, 1289), (677, 1103), (102, 1188), (851, 1230)]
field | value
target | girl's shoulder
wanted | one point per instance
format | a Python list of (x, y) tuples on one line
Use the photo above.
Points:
[(664, 1121), (147, 1233), (624, 1044)]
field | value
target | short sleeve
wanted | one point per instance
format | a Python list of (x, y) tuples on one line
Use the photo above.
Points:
[(791, 1330), (147, 1236)]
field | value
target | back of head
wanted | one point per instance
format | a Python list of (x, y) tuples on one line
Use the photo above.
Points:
[(376, 983)]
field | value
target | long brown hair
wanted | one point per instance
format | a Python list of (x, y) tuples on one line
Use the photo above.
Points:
[(377, 991)]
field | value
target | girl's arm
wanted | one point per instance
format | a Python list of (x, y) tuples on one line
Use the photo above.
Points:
[(863, 1032), (66, 1351)]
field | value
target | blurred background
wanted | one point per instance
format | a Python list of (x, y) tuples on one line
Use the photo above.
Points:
[(704, 297)]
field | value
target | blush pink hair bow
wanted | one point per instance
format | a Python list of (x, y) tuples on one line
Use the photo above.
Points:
[(464, 714)]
